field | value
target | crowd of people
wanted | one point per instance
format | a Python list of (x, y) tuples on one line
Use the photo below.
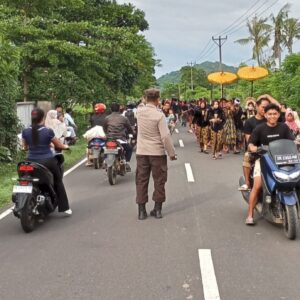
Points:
[(220, 126)]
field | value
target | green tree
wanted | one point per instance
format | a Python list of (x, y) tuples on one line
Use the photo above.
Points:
[(9, 71), (278, 22), (291, 32), (78, 51), (259, 36)]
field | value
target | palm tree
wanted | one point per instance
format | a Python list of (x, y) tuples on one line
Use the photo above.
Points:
[(278, 22), (259, 35), (291, 31)]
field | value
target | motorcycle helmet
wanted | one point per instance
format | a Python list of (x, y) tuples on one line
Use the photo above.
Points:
[(130, 104), (100, 108)]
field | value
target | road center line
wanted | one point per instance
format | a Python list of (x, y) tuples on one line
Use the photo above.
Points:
[(9, 211), (189, 172), (176, 130), (181, 144), (209, 281)]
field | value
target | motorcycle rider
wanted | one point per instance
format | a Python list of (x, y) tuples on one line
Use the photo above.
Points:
[(263, 134), (98, 117), (249, 126), (37, 140), (117, 127)]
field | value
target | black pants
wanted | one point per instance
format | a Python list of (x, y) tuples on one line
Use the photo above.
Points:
[(52, 165), (128, 151)]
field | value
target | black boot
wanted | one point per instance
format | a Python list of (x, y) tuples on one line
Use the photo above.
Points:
[(156, 212), (142, 212)]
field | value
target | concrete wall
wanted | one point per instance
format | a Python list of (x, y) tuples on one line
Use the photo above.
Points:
[(24, 112)]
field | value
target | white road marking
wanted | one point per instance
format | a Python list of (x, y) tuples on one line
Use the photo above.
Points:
[(181, 144), (189, 172), (209, 281), (9, 211), (75, 167), (176, 130), (6, 213)]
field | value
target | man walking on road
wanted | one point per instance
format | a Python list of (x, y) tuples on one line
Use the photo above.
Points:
[(153, 141)]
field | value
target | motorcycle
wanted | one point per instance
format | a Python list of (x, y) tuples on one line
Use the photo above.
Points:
[(33, 196), (279, 200), (115, 160), (96, 152)]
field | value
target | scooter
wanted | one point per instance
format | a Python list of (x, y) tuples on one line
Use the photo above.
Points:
[(279, 200), (96, 152), (115, 160), (33, 196)]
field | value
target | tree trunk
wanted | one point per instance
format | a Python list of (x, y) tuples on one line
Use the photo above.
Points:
[(25, 88)]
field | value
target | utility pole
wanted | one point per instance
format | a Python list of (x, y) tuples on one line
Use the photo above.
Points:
[(191, 64), (220, 41)]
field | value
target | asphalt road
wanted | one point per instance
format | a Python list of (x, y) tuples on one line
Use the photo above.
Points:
[(104, 252)]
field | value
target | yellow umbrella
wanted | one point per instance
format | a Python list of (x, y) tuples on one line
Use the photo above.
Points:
[(252, 74), (222, 78)]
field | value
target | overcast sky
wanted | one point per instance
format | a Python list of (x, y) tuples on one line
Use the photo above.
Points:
[(180, 30)]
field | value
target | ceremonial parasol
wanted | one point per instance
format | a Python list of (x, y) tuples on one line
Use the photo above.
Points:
[(222, 78), (252, 74)]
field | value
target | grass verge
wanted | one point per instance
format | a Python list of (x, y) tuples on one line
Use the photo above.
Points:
[(8, 170)]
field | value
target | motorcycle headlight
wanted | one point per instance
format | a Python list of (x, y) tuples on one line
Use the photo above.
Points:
[(281, 176), (295, 175)]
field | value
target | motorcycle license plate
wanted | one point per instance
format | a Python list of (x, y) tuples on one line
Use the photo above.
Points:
[(22, 189), (287, 159), (111, 151)]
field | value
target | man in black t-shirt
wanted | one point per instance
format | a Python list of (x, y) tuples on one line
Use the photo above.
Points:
[(249, 126), (264, 134)]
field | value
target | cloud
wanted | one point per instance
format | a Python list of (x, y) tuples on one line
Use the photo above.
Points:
[(179, 30)]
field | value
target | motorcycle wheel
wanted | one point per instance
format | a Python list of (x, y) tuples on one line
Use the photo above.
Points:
[(96, 163), (26, 215), (290, 221), (112, 175)]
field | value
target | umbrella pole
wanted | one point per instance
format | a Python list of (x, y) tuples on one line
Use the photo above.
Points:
[(222, 91), (252, 84)]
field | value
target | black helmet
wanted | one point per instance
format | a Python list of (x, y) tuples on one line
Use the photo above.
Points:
[(130, 104)]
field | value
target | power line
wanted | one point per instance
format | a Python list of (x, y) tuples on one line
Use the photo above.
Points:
[(207, 50), (258, 15), (248, 10)]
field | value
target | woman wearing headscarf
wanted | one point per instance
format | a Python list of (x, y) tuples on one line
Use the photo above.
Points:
[(56, 125), (291, 122)]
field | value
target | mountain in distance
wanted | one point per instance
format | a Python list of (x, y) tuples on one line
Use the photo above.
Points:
[(207, 66)]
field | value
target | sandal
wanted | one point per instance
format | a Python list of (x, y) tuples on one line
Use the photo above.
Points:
[(244, 187), (205, 151), (214, 157), (220, 155), (249, 221)]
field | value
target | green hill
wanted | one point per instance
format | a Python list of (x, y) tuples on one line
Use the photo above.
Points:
[(207, 66)]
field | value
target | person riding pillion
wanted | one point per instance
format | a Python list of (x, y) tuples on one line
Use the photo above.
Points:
[(117, 127)]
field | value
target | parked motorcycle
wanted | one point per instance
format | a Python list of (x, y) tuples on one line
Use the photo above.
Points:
[(96, 152), (33, 196), (115, 160), (279, 200)]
